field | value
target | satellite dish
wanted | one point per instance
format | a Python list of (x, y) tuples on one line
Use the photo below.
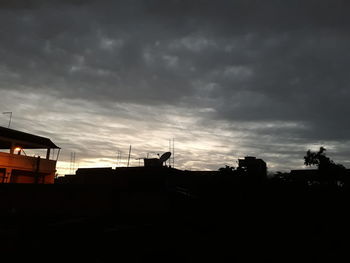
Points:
[(165, 157)]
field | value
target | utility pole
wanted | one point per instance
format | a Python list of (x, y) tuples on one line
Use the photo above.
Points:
[(8, 112)]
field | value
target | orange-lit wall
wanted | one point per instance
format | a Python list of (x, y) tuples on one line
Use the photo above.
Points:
[(23, 169), (25, 179)]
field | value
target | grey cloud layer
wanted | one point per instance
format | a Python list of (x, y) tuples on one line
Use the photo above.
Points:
[(256, 62)]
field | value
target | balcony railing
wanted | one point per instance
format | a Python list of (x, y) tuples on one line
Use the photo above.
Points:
[(26, 163)]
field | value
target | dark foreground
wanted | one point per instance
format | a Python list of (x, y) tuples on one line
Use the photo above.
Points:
[(221, 223)]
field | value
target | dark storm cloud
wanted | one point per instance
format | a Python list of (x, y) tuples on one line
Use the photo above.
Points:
[(273, 68)]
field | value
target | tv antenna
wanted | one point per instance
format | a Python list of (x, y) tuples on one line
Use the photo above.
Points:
[(172, 150), (10, 113), (129, 155), (72, 162), (119, 158)]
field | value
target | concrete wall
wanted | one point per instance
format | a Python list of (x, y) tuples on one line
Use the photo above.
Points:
[(23, 169)]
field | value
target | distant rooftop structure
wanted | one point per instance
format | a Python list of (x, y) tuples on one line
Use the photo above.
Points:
[(16, 166), (155, 162)]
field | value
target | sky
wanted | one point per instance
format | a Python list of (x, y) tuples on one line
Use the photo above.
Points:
[(223, 79)]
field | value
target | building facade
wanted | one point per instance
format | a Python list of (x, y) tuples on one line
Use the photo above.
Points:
[(18, 167)]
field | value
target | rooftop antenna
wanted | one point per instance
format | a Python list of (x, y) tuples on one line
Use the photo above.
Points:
[(8, 112), (129, 155), (172, 150), (173, 153), (119, 157), (139, 159), (72, 162)]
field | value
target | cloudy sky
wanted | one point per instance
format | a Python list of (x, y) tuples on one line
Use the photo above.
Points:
[(225, 79)]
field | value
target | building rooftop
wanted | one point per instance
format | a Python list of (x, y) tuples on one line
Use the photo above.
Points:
[(24, 140)]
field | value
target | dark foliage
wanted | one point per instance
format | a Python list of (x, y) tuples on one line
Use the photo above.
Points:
[(328, 169)]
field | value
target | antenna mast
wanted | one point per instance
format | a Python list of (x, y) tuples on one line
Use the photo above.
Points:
[(129, 155), (119, 158), (172, 150), (8, 112), (72, 162)]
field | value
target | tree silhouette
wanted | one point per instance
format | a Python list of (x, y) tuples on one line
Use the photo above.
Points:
[(327, 168), (317, 158), (227, 169)]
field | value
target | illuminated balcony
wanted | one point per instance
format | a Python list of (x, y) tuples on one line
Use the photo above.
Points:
[(17, 167)]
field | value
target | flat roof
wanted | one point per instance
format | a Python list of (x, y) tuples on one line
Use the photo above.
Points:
[(24, 140)]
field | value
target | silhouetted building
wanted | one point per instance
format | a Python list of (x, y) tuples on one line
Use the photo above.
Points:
[(304, 175), (252, 167), (155, 162), (152, 162), (121, 177), (16, 166)]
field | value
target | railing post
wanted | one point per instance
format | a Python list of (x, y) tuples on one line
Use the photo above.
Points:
[(37, 170), (12, 149), (48, 154), (8, 174)]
